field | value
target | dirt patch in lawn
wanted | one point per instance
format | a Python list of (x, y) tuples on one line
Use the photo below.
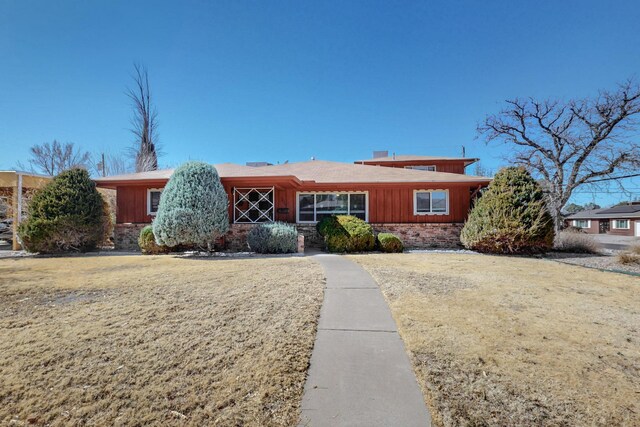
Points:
[(134, 340), (516, 341)]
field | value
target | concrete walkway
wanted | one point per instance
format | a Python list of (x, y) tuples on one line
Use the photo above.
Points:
[(360, 374)]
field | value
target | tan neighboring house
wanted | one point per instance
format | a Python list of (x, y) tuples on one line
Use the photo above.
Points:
[(621, 220), (16, 188)]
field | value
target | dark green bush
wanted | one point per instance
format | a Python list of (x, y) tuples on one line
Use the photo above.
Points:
[(388, 242), (346, 233), (510, 217), (147, 242), (327, 225), (68, 214), (273, 238)]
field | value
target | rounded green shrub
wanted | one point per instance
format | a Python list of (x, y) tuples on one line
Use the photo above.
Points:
[(147, 242), (388, 242), (193, 207), (68, 214), (347, 233), (510, 217), (273, 238), (327, 225)]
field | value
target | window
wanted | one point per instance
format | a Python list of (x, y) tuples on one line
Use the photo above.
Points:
[(312, 207), (153, 200), (582, 223), (621, 223), (252, 205), (422, 168), (431, 202)]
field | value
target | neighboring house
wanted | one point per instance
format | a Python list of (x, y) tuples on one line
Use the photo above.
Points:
[(426, 208), (16, 188), (621, 220)]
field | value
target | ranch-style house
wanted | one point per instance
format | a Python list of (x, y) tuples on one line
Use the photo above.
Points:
[(423, 199)]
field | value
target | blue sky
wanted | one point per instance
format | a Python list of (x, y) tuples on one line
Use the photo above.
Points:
[(273, 81)]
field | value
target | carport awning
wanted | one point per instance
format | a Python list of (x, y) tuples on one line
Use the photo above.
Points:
[(29, 180)]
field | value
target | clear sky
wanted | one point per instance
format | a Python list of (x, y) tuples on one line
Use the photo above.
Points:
[(272, 81)]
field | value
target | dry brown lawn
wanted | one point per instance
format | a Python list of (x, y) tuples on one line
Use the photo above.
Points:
[(135, 340), (516, 341)]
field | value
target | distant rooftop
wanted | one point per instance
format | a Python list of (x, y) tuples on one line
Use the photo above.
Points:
[(622, 211), (415, 158)]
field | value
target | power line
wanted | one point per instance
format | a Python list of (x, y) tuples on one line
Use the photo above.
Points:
[(613, 178)]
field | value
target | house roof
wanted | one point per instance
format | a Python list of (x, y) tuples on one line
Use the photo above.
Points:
[(318, 171), (616, 212), (414, 158)]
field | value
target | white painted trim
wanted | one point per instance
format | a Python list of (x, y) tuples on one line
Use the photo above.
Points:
[(433, 190), (613, 225), (298, 193), (149, 190), (575, 223), (416, 167), (637, 223), (264, 193)]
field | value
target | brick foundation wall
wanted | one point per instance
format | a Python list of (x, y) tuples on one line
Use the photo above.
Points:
[(125, 236), (424, 236), (311, 236), (236, 238), (414, 236)]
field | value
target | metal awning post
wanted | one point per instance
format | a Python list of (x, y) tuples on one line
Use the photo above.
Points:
[(17, 211)]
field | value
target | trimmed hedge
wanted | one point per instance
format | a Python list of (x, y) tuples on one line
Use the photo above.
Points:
[(68, 214), (388, 242), (346, 233), (193, 208), (147, 242), (273, 238), (511, 217)]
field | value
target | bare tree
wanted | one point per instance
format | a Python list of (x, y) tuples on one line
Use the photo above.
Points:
[(53, 158), (144, 122), (480, 170), (112, 164), (568, 145)]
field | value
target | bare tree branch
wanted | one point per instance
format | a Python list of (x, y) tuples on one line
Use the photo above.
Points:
[(571, 144), (53, 158)]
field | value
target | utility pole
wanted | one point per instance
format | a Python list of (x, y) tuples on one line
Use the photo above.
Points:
[(463, 152), (104, 171)]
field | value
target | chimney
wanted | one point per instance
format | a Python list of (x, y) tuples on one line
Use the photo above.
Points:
[(378, 154)]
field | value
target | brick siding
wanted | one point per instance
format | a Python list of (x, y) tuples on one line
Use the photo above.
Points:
[(413, 235), (125, 236), (424, 236)]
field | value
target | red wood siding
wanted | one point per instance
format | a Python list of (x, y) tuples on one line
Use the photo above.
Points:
[(131, 204), (451, 166), (387, 204)]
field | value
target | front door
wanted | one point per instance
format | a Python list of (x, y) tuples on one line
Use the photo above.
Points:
[(604, 226), (637, 222)]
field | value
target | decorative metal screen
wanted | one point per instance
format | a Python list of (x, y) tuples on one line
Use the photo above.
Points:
[(252, 205)]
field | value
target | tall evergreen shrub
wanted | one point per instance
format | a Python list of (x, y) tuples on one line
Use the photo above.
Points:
[(511, 216), (193, 207), (68, 214)]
